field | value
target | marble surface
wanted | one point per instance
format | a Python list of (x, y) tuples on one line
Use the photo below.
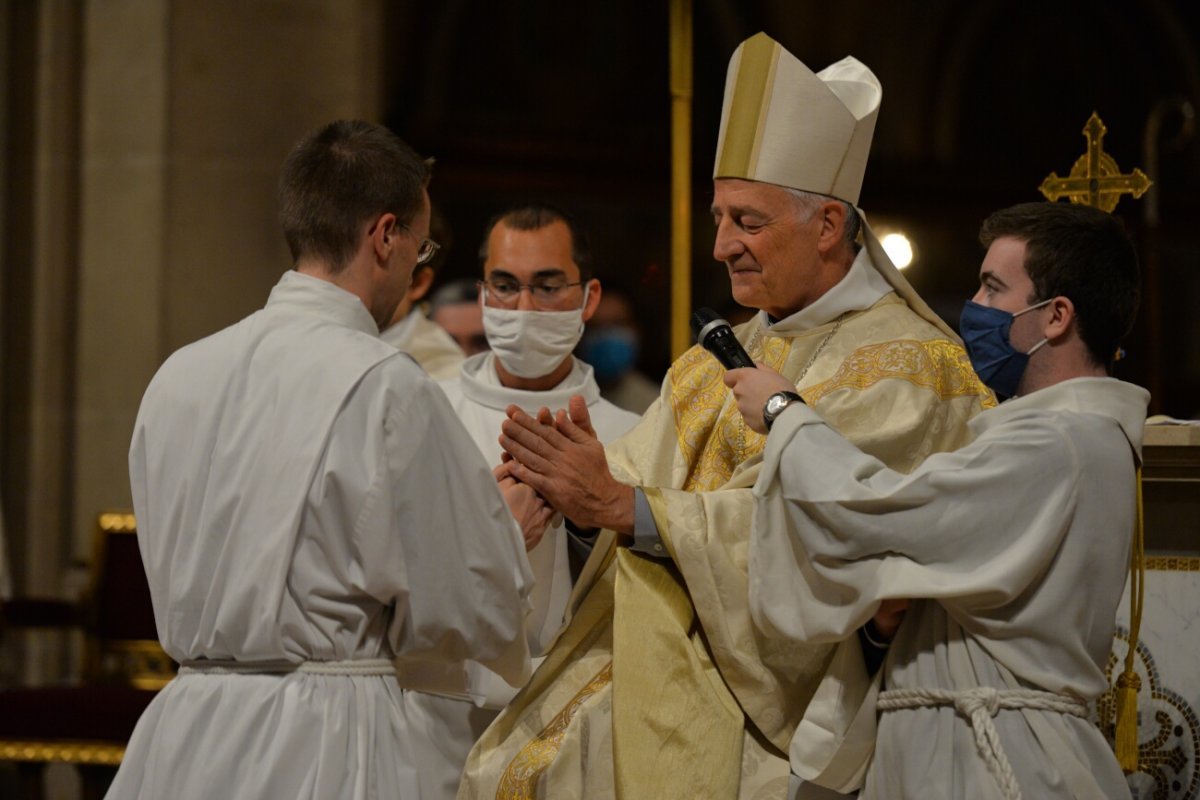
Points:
[(1168, 663)]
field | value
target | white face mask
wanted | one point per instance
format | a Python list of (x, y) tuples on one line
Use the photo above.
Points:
[(531, 344)]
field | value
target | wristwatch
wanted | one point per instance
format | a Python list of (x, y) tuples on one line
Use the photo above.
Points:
[(775, 405)]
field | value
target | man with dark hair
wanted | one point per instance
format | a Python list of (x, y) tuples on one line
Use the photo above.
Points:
[(1077, 254), (283, 473), (538, 216), (1013, 549), (535, 298)]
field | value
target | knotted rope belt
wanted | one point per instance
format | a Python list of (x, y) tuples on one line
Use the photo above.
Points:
[(365, 666), (979, 705)]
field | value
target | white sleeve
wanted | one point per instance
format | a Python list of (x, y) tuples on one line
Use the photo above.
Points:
[(434, 536), (836, 531)]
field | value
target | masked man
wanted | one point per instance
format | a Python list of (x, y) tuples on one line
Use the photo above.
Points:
[(660, 686), (1017, 544), (536, 294)]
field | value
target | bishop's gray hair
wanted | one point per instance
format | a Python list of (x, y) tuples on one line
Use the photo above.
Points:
[(807, 204)]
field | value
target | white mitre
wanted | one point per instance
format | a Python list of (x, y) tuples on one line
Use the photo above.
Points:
[(782, 123)]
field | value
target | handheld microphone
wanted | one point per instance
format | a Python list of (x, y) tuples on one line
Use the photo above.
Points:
[(715, 336)]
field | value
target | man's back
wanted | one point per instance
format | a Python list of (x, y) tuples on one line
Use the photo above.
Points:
[(287, 476)]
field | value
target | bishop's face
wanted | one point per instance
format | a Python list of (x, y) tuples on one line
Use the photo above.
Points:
[(768, 244)]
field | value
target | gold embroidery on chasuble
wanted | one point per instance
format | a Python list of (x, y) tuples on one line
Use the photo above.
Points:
[(937, 364), (520, 778), (713, 437)]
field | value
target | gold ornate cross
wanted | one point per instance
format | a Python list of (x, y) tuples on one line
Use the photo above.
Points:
[(1095, 179)]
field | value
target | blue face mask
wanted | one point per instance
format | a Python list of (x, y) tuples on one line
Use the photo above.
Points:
[(612, 351), (985, 333)]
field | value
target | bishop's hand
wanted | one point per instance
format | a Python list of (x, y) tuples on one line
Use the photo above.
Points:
[(751, 388), (561, 458)]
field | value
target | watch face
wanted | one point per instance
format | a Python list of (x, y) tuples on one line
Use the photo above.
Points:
[(776, 403)]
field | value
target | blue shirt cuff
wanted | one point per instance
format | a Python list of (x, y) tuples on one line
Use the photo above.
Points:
[(646, 539)]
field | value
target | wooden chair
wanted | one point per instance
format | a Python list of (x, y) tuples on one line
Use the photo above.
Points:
[(89, 724)]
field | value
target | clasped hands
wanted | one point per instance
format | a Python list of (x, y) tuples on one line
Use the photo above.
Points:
[(529, 509), (558, 456)]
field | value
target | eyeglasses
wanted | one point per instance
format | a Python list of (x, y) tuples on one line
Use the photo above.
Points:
[(426, 249), (507, 291)]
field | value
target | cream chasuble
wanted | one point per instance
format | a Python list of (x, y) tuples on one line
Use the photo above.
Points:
[(660, 686), (429, 345)]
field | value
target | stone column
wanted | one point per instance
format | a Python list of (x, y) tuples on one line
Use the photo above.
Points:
[(190, 109)]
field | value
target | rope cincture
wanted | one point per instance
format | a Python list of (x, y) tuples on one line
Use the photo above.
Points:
[(365, 666), (979, 705), (1129, 683)]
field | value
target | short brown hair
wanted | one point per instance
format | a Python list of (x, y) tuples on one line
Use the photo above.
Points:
[(534, 217), (340, 176), (1081, 253)]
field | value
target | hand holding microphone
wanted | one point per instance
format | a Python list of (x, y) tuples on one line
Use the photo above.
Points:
[(761, 393)]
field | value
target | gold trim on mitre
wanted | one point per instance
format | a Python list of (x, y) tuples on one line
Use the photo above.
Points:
[(783, 124)]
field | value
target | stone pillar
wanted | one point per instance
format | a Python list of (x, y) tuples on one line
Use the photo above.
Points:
[(189, 111)]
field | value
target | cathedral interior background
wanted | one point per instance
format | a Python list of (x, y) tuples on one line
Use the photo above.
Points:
[(141, 143)]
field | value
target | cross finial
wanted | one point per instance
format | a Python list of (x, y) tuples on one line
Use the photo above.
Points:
[(1095, 179)]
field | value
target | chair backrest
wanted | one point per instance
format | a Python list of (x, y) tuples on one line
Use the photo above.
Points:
[(123, 641)]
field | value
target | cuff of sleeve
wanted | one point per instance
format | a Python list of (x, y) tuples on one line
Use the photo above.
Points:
[(646, 539), (796, 418)]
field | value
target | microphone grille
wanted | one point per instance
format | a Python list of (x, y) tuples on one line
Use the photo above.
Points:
[(702, 317)]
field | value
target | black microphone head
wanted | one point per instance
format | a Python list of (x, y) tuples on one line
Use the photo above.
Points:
[(701, 319), (715, 335)]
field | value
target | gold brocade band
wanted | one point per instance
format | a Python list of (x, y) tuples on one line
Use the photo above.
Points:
[(937, 364), (749, 107), (520, 779), (712, 435), (521, 776)]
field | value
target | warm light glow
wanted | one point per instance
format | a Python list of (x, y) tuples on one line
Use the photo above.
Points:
[(898, 248)]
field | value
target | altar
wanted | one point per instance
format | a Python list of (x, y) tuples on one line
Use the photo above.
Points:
[(1168, 647)]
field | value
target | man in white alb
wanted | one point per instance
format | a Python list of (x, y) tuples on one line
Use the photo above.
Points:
[(309, 508), (1013, 549), (536, 294)]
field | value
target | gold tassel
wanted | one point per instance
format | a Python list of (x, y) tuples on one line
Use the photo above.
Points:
[(1129, 683)]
